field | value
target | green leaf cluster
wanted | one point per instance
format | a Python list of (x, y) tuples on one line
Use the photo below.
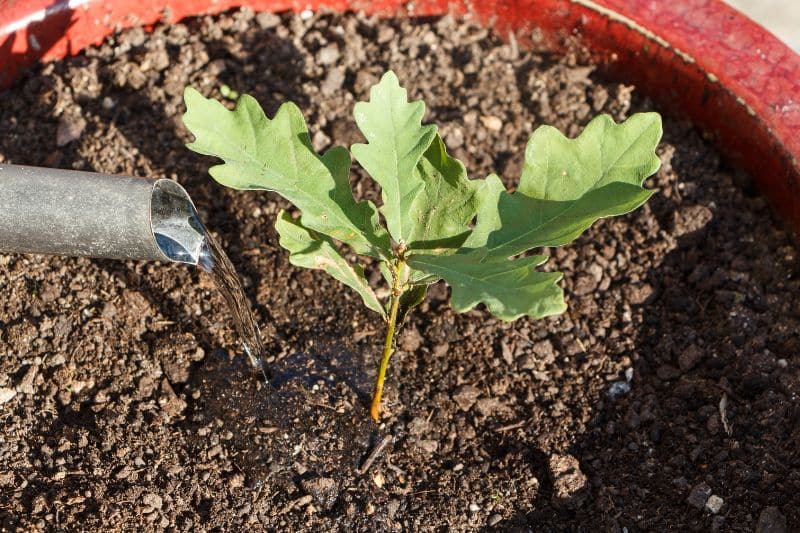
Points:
[(433, 222)]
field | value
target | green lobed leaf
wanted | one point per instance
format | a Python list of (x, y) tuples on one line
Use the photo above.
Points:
[(446, 205), (567, 185), (396, 140), (313, 251), (277, 155), (559, 168), (515, 223), (509, 288), (489, 193)]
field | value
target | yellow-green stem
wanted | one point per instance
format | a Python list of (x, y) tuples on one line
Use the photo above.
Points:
[(388, 345)]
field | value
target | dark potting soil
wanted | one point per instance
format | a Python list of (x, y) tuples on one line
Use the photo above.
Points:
[(665, 398)]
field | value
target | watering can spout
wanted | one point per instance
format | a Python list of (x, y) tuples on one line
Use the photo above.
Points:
[(65, 212)]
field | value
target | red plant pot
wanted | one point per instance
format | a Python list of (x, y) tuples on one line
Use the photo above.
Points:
[(698, 58)]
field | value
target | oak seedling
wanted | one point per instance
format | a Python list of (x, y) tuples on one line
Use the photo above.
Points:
[(434, 222)]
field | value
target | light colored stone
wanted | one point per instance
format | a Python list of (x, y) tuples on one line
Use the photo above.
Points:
[(490, 122), (153, 500), (28, 381), (267, 20), (714, 504), (429, 446), (465, 397), (333, 81), (70, 128), (570, 484), (328, 55), (6, 394)]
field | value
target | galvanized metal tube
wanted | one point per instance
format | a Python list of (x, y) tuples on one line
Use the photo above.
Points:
[(65, 212)]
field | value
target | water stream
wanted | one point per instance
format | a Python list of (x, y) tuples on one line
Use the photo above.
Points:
[(214, 261)]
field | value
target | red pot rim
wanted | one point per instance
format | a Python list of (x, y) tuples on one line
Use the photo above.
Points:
[(700, 58)]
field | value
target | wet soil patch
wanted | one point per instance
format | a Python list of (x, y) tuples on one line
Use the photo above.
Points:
[(665, 398)]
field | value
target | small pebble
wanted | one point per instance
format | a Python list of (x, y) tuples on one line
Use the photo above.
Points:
[(465, 396), (570, 484), (214, 451), (216, 67), (328, 55), (771, 520), (699, 496), (69, 129), (385, 34), (6, 394), (629, 374), (619, 388), (680, 483), (333, 81), (690, 357), (429, 446), (392, 507), (324, 490), (492, 123), (302, 501), (152, 500), (267, 20), (26, 384), (474, 508), (714, 504)]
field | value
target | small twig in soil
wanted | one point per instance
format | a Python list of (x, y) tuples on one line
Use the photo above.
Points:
[(363, 334), (509, 427), (376, 452), (302, 501), (580, 343), (321, 405)]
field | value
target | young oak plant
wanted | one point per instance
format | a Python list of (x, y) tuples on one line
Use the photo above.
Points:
[(439, 224)]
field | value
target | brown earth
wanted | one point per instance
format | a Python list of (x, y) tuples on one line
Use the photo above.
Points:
[(670, 384)]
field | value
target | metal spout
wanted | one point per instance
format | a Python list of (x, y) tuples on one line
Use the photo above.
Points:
[(65, 212)]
